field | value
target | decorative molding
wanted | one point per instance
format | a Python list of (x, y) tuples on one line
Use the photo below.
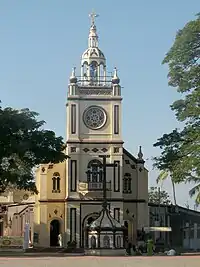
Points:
[(91, 201), (72, 218), (73, 119), (73, 175), (116, 119), (95, 150), (73, 149), (99, 142), (116, 176), (95, 91), (55, 211), (116, 150), (86, 150), (105, 98)]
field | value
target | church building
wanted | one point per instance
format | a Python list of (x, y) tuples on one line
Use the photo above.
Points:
[(71, 193)]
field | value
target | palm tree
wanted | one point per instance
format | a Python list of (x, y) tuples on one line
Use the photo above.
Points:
[(195, 191), (162, 177)]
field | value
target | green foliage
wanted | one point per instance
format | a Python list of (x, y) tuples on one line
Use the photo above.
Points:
[(158, 197), (181, 148), (24, 145)]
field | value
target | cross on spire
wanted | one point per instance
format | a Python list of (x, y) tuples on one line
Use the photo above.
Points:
[(92, 16)]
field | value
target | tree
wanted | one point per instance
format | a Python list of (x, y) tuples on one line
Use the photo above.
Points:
[(162, 177), (24, 145), (181, 148), (158, 196)]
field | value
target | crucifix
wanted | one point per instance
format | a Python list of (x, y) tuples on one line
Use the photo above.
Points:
[(105, 165), (93, 15)]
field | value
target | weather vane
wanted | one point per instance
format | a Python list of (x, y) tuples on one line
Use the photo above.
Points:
[(93, 15)]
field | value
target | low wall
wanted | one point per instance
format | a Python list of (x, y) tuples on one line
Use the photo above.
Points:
[(11, 242)]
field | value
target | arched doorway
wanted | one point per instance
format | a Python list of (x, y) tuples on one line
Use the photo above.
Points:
[(54, 232), (87, 221)]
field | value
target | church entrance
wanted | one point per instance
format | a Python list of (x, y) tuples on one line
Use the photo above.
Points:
[(54, 232)]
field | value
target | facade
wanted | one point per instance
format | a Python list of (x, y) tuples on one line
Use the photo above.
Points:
[(70, 193)]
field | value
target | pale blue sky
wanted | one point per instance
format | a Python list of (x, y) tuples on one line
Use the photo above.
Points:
[(41, 40)]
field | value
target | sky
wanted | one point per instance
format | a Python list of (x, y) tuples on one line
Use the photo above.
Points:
[(41, 40)]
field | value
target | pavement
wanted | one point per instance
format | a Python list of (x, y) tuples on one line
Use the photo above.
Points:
[(83, 261)]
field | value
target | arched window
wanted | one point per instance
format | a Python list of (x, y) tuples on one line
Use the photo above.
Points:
[(94, 175), (93, 242), (93, 70), (85, 70), (102, 72), (106, 241), (127, 183), (56, 182)]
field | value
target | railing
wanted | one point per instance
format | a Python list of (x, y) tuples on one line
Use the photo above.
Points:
[(98, 186), (95, 81)]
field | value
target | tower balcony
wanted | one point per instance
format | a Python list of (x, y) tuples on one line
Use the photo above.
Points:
[(95, 82)]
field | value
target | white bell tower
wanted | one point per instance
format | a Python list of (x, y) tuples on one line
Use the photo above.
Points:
[(93, 121)]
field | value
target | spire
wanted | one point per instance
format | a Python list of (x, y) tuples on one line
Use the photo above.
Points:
[(93, 61), (140, 154), (93, 37)]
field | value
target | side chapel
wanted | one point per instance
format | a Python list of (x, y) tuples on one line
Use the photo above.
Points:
[(71, 193)]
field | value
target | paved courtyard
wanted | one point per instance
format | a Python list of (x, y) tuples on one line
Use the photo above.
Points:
[(193, 261)]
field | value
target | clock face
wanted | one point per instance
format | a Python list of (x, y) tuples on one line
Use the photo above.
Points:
[(94, 117)]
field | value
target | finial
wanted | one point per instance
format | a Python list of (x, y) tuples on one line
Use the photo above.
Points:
[(93, 15), (140, 154), (73, 78), (115, 79), (73, 72), (115, 73)]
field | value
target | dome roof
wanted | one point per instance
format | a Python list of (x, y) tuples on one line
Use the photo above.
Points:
[(93, 53), (73, 80), (115, 80), (105, 220)]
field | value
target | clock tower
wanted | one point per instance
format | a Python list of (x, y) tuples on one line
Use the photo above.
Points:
[(93, 128)]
